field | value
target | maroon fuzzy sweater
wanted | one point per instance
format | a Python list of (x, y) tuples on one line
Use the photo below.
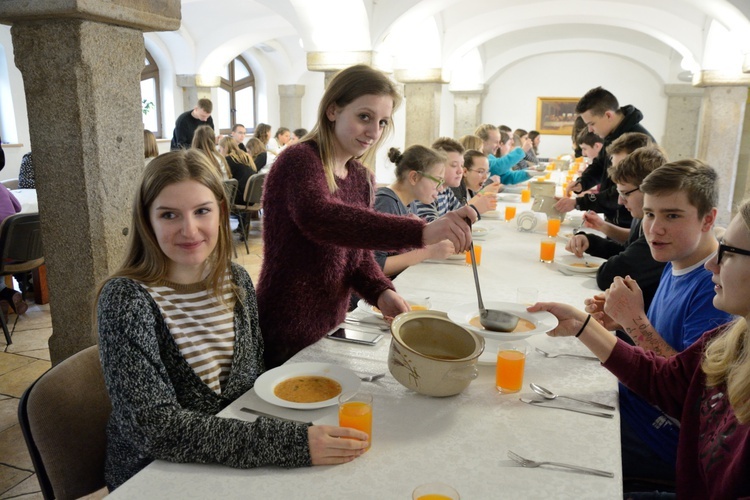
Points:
[(317, 248)]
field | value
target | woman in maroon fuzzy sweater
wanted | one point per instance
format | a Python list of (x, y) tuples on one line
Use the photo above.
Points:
[(319, 227)]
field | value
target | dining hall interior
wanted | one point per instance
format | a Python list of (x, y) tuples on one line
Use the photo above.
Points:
[(79, 81)]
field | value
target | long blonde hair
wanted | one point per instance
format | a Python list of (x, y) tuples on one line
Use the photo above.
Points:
[(144, 259), (348, 85), (234, 152), (727, 359), (204, 140)]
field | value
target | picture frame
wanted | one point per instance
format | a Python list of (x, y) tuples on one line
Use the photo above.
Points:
[(556, 115)]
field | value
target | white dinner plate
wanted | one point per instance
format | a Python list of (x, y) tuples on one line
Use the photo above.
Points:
[(584, 265), (515, 188), (509, 197), (543, 321), (479, 232), (491, 214), (456, 256), (265, 384)]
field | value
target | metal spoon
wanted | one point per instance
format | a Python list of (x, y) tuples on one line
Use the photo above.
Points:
[(547, 394), (564, 355), (491, 319), (543, 404)]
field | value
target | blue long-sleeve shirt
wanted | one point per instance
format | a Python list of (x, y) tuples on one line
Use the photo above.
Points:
[(502, 166)]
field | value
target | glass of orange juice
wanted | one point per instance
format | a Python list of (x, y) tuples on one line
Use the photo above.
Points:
[(553, 227), (355, 411), (477, 254), (419, 304), (525, 195), (547, 251), (435, 491), (511, 360), (510, 212)]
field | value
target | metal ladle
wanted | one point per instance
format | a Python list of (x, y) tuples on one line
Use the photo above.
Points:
[(491, 319)]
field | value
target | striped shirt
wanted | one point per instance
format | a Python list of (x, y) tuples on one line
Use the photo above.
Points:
[(202, 328), (446, 202)]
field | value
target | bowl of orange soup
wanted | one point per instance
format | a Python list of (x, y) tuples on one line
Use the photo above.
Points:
[(432, 355)]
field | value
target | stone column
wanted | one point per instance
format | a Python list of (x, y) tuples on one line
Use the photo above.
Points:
[(290, 107), (681, 130), (332, 62), (422, 91), (195, 87), (81, 67), (467, 105), (721, 119)]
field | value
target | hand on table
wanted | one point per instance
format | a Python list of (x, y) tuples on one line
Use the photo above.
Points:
[(392, 304), (451, 226), (327, 447), (570, 320), (440, 251), (595, 307), (571, 187), (565, 204), (578, 244), (623, 300)]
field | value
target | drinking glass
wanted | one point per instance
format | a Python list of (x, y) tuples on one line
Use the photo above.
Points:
[(511, 360), (510, 212), (435, 491), (547, 251), (355, 411), (477, 254), (525, 195), (553, 227)]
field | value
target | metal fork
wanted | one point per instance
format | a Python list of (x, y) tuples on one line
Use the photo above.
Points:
[(563, 355), (525, 462), (371, 377)]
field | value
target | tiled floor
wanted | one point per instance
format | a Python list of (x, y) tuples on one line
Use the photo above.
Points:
[(25, 360)]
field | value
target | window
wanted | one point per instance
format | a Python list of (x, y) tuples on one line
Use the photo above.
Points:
[(237, 96), (151, 96)]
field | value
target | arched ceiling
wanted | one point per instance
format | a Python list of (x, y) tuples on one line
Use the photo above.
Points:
[(655, 34)]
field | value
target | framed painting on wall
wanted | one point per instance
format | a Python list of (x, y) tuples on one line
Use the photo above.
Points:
[(556, 115)]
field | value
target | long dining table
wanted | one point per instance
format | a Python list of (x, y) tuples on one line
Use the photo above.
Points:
[(460, 440)]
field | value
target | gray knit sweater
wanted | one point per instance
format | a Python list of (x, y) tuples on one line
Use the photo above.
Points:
[(162, 410)]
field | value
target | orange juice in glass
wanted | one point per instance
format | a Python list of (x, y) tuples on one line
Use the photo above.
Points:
[(553, 227), (510, 212), (477, 254), (435, 491), (525, 195), (355, 412), (547, 251), (511, 359)]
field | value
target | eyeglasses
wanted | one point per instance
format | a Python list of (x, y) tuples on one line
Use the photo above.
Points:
[(439, 181), (480, 171), (627, 193), (726, 248)]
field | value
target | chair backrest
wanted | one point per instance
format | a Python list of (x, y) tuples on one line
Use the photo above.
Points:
[(254, 188), (20, 240), (231, 186), (63, 416), (10, 183)]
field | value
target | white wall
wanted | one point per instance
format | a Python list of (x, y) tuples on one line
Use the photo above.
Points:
[(512, 94), (14, 154)]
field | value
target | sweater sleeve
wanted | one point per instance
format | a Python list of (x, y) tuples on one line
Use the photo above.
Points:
[(499, 166), (324, 218), (663, 382), (368, 279), (145, 405), (634, 261), (602, 247)]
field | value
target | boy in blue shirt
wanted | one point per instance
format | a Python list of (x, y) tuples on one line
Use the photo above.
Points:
[(679, 207)]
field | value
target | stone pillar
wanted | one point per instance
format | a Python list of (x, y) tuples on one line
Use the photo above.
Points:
[(681, 130), (195, 87), (422, 91), (467, 105), (720, 133), (81, 67), (290, 107)]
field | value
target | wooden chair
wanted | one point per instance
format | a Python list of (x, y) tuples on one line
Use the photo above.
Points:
[(252, 196), (20, 250), (63, 417)]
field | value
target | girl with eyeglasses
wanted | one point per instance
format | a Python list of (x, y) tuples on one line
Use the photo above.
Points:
[(706, 386), (419, 177), (319, 227)]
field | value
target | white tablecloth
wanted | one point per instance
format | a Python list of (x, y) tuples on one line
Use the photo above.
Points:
[(460, 440)]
